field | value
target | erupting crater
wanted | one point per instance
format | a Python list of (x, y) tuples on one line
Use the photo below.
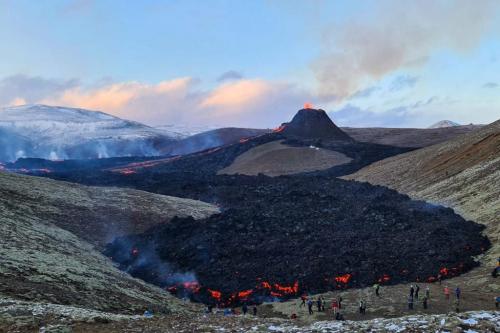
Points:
[(311, 123)]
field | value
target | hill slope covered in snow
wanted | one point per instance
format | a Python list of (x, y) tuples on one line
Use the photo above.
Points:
[(59, 133)]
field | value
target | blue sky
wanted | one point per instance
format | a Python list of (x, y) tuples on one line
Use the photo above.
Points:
[(369, 63)]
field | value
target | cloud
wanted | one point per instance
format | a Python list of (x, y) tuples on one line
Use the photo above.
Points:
[(403, 82), (254, 102), (365, 93), (149, 103), (237, 93), (490, 85), (31, 89), (415, 114), (17, 102), (245, 102), (114, 97), (397, 34), (353, 116), (230, 75)]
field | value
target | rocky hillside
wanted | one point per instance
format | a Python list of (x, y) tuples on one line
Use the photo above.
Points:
[(462, 173), (47, 232), (96, 215)]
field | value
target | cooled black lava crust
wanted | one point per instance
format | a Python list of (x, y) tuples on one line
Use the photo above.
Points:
[(309, 229)]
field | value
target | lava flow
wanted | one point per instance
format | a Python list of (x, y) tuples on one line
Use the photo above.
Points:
[(263, 291), (279, 129)]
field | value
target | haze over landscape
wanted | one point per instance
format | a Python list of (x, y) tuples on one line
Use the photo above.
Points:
[(250, 166)]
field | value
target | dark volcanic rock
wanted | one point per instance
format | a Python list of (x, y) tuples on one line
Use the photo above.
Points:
[(309, 230), (313, 124), (194, 176)]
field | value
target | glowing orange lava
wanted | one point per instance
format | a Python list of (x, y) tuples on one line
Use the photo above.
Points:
[(279, 129), (245, 293), (308, 105), (127, 171), (266, 285), (343, 278), (193, 286), (385, 278), (215, 294)]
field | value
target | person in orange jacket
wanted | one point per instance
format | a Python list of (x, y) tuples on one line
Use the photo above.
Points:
[(447, 292)]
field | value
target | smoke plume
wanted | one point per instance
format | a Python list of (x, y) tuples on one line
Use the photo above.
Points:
[(397, 34)]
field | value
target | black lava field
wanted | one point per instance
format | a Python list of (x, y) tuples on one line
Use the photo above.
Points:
[(281, 237)]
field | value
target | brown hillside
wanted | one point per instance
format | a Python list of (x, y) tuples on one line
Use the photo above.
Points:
[(275, 159)]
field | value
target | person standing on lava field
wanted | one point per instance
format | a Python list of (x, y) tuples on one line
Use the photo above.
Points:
[(323, 302), (424, 302), (310, 306), (376, 286), (244, 308), (458, 292), (410, 302), (319, 303), (440, 278), (255, 310), (447, 292), (362, 307), (417, 289), (303, 298), (340, 302), (427, 292), (335, 306), (412, 291)]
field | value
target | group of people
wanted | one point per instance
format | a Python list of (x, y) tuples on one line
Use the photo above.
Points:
[(320, 303), (233, 311), (244, 309), (415, 294)]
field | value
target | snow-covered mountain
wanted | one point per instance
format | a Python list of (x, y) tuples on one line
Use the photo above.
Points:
[(444, 123), (181, 131), (59, 133)]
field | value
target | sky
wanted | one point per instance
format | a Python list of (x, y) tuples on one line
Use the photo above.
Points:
[(255, 63)]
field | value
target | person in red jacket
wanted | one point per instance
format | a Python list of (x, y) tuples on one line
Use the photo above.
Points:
[(335, 306)]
